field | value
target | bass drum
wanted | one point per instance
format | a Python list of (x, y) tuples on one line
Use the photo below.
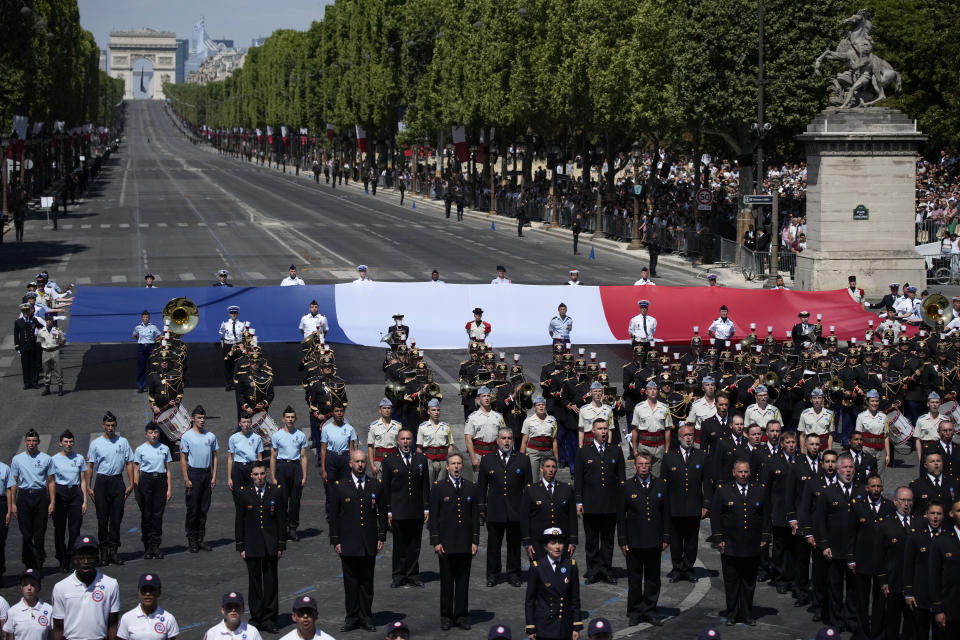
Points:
[(175, 422), (265, 427), (951, 410), (901, 431)]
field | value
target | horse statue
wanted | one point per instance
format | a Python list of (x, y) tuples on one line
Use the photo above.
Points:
[(866, 76)]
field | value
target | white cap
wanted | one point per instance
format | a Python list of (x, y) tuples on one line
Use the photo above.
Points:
[(603, 365), (736, 346), (503, 356), (870, 323), (516, 358), (753, 325), (676, 355), (769, 328), (696, 329), (726, 342), (831, 328), (581, 351), (819, 316), (593, 356), (253, 331)]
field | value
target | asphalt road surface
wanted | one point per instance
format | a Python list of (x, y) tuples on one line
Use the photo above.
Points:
[(181, 212)]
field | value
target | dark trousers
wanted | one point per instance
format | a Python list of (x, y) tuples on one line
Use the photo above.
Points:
[(289, 476), (401, 196), (358, 588), (407, 535), (32, 517), (228, 363), (869, 605), (28, 364), (446, 206), (67, 519), (338, 466), (895, 616), (495, 533), (153, 501), (643, 578), (781, 558), (684, 532), (108, 501), (801, 567), (819, 581), (922, 622), (263, 589), (654, 257), (454, 586), (842, 593), (739, 584), (576, 241), (198, 503), (143, 359), (520, 221), (4, 529), (598, 529)]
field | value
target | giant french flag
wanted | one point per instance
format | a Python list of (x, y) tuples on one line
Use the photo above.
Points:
[(437, 313)]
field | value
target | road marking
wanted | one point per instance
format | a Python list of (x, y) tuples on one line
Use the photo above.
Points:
[(85, 226), (349, 275), (105, 226), (201, 224), (187, 276), (123, 183), (124, 226), (118, 278), (182, 224), (256, 275), (11, 283), (161, 224), (84, 280), (465, 275), (144, 225), (221, 224), (68, 226), (399, 274)]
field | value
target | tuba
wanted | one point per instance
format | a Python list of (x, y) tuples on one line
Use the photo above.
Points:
[(936, 307), (771, 379), (432, 391), (834, 389), (183, 315), (525, 398)]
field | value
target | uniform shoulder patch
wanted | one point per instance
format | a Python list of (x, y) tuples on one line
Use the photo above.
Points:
[(573, 562)]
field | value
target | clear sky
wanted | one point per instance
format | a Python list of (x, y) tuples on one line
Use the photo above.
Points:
[(239, 20)]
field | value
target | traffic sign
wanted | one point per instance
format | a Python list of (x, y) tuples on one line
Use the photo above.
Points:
[(704, 196), (637, 189), (757, 199)]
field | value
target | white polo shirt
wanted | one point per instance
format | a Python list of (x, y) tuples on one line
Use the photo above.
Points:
[(136, 625), (221, 632), (310, 324), (85, 610), (295, 635), (4, 608), (29, 623)]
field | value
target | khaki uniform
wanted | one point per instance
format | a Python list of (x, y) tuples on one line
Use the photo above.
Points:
[(651, 424), (700, 410), (755, 415), (483, 428), (435, 440), (816, 424), (383, 438), (874, 429), (540, 437), (926, 428), (49, 342)]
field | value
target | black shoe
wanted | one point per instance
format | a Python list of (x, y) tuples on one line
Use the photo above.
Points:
[(115, 557), (491, 582), (293, 535), (515, 581), (349, 627), (46, 391), (444, 626), (692, 578), (632, 622), (610, 580), (193, 548), (396, 585), (816, 617), (369, 626), (148, 554), (415, 582), (60, 390), (104, 557), (203, 546), (464, 625), (782, 589), (750, 622), (652, 619), (28, 386), (730, 622), (590, 579), (157, 553), (675, 579)]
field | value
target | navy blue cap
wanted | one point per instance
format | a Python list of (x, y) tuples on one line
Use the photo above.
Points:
[(397, 625), (31, 574), (85, 542), (827, 633), (304, 602), (598, 626), (233, 597), (708, 634), (149, 580), (499, 631)]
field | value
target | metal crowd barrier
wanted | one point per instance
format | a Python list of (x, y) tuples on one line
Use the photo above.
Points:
[(929, 231)]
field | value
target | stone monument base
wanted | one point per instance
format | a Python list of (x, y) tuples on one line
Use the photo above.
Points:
[(819, 271)]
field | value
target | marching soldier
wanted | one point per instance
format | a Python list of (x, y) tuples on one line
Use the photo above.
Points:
[(313, 325), (740, 506), (165, 386), (916, 569), (50, 341), (949, 453), (552, 606), (642, 329), (631, 393), (894, 532), (260, 535), (775, 476), (501, 481), (730, 449), (688, 492), (231, 339), (358, 529), (435, 441), (803, 480), (539, 432), (712, 429), (467, 377), (455, 536), (256, 387), (547, 504), (288, 468), (865, 464), (33, 498), (933, 484), (382, 436), (643, 515), (406, 495), (593, 410), (703, 407), (337, 439), (243, 449), (478, 329), (481, 428), (198, 466), (651, 425), (598, 473), (70, 502), (761, 412)]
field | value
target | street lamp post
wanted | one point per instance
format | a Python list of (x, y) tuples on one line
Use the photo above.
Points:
[(494, 153), (635, 242)]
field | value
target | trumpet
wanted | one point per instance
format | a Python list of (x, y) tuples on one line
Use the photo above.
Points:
[(525, 395), (610, 398), (834, 389), (771, 379), (431, 391)]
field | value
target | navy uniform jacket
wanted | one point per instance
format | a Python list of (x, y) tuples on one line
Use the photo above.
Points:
[(741, 522), (357, 518), (711, 432), (596, 478), (501, 487), (834, 522), (406, 490), (868, 547), (260, 526), (643, 515), (539, 512), (868, 465), (775, 475), (924, 491), (951, 463), (454, 516), (552, 604), (893, 539), (688, 483), (801, 475), (726, 453), (945, 575), (916, 564), (25, 333)]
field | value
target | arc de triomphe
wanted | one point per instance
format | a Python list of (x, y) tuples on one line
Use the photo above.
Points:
[(157, 47)]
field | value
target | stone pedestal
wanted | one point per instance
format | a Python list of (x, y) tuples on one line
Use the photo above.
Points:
[(861, 174)]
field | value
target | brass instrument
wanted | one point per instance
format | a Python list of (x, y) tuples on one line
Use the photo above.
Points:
[(183, 314), (432, 391), (748, 342), (834, 389), (468, 389), (394, 389), (936, 307), (771, 379), (525, 398)]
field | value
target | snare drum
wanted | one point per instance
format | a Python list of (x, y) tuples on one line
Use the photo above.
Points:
[(265, 427), (951, 410), (175, 421), (900, 428)]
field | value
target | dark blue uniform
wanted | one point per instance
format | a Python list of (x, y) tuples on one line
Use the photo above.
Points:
[(553, 599)]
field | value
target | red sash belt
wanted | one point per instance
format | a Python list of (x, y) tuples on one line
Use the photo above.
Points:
[(540, 443)]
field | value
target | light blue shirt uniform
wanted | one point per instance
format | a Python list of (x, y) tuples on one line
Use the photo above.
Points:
[(110, 457), (288, 445), (245, 448), (67, 469), (31, 471), (560, 328), (152, 459), (199, 448), (146, 333), (338, 439), (6, 477)]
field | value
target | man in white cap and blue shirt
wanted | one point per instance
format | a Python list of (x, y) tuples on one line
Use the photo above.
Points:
[(362, 274), (926, 431), (560, 326), (908, 308), (651, 426), (231, 334), (222, 276), (642, 329)]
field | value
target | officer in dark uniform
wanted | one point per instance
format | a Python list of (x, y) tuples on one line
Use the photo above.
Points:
[(894, 531), (256, 387), (933, 484), (776, 477), (260, 534), (730, 448), (916, 569), (548, 504), (714, 428), (455, 536), (867, 559), (945, 577), (222, 276), (552, 605), (864, 464), (550, 375), (501, 480), (598, 473), (467, 377), (688, 490), (741, 528), (643, 515), (25, 329), (406, 496), (358, 528)]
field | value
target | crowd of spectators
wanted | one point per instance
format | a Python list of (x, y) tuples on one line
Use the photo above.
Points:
[(938, 192)]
